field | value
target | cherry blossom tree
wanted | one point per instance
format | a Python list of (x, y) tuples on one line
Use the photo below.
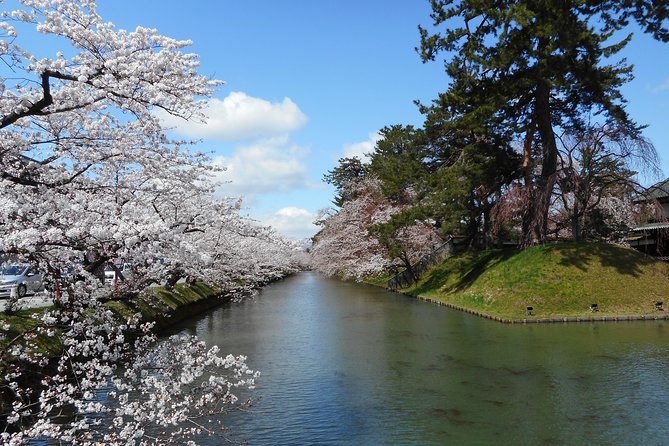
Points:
[(598, 180), (344, 245), (370, 234), (87, 177), (408, 240)]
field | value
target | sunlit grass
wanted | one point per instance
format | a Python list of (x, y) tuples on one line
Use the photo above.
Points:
[(556, 280)]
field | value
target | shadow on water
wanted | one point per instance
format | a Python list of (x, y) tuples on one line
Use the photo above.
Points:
[(433, 368), (495, 403), (444, 357), (454, 416)]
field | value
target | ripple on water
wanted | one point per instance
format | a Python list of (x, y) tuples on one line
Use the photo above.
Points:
[(344, 364)]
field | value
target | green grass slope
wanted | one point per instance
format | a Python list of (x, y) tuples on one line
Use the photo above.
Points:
[(169, 308), (560, 280)]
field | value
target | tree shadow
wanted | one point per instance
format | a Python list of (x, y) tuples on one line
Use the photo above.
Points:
[(432, 280), (582, 255), (468, 269), (484, 261)]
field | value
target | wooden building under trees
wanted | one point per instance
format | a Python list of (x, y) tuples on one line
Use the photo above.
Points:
[(652, 237)]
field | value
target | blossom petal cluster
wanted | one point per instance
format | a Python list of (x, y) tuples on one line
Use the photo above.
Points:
[(346, 245)]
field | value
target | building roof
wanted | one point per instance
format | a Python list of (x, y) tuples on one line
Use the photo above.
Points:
[(659, 190), (651, 226)]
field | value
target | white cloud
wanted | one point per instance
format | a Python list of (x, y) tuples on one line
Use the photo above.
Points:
[(238, 117), (664, 86), (293, 222), (361, 149), (266, 166)]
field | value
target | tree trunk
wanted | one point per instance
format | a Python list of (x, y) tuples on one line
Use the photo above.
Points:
[(486, 228), (408, 267), (95, 263), (527, 154), (528, 215), (172, 278), (549, 163), (576, 221)]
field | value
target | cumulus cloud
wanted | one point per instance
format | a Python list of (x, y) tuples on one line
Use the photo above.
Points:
[(294, 222), (240, 116), (266, 166), (361, 149)]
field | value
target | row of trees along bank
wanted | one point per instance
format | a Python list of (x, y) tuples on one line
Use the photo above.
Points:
[(88, 175), (531, 141)]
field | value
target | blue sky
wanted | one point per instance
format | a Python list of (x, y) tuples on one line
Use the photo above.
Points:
[(308, 82)]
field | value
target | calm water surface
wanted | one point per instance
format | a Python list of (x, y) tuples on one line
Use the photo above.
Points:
[(347, 364)]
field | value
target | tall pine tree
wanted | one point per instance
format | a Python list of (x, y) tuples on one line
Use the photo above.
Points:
[(522, 69)]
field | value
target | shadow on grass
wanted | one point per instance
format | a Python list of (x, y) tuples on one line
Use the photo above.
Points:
[(484, 261), (466, 269), (458, 273), (582, 255)]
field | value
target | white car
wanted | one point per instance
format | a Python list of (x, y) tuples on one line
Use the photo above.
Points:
[(21, 278), (112, 276)]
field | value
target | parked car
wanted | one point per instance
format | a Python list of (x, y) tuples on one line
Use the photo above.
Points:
[(22, 278), (111, 274)]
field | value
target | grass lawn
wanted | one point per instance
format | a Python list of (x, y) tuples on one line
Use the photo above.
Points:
[(557, 280)]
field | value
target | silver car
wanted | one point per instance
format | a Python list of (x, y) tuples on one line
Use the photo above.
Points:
[(112, 276), (21, 278)]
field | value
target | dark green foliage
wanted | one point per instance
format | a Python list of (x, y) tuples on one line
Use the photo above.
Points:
[(474, 165), (443, 174), (651, 15), (464, 193), (509, 53), (447, 177), (521, 69), (401, 160), (348, 171)]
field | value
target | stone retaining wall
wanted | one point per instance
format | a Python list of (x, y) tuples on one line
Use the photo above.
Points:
[(544, 320)]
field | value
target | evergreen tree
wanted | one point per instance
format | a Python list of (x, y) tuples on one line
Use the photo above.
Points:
[(347, 172), (526, 68), (401, 161)]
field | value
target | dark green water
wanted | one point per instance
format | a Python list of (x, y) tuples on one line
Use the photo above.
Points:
[(346, 364)]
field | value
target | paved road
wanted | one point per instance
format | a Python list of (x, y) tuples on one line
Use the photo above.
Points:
[(36, 300)]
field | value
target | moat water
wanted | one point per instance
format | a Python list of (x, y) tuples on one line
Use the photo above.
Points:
[(348, 364)]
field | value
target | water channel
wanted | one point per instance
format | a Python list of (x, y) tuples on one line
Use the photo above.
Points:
[(348, 364)]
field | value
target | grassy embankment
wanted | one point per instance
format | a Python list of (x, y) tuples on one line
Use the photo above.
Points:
[(171, 307), (560, 280)]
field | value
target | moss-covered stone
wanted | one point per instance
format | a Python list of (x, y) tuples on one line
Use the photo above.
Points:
[(162, 306)]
